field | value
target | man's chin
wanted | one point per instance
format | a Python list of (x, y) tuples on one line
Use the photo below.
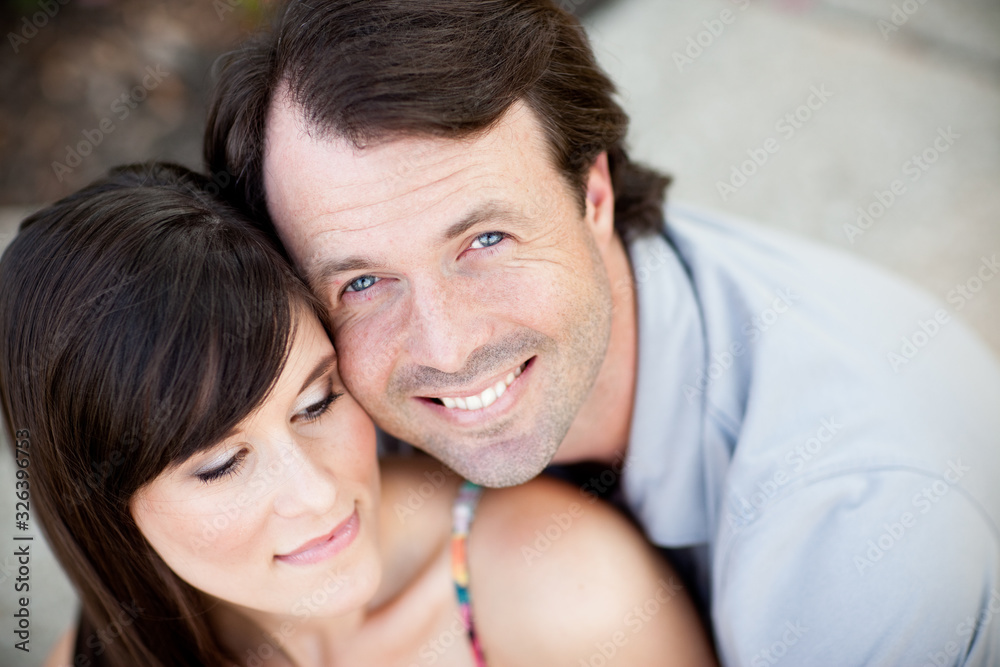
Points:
[(498, 465)]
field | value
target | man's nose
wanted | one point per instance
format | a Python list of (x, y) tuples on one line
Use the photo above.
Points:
[(446, 324)]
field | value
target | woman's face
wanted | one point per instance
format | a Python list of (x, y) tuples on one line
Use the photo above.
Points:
[(280, 516)]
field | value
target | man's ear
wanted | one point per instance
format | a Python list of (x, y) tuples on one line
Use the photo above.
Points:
[(600, 215)]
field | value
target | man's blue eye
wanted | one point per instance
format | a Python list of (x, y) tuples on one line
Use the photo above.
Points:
[(487, 239), (361, 284)]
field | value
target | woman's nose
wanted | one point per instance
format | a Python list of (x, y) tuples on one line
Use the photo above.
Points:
[(306, 487)]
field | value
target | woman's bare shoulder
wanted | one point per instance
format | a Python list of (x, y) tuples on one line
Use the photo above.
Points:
[(552, 563), (62, 653), (415, 489), (415, 515), (535, 528)]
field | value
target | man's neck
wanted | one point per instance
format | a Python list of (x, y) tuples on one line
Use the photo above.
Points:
[(601, 429)]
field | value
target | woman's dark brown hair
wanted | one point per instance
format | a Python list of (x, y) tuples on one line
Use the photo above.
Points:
[(141, 320), (368, 70)]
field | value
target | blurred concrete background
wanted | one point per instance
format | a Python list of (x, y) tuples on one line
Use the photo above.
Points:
[(708, 83)]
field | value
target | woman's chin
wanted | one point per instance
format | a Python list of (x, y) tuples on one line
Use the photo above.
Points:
[(333, 592)]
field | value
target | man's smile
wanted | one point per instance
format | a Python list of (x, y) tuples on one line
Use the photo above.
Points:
[(477, 400), (471, 405)]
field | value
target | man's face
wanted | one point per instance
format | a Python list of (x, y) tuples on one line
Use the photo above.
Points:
[(468, 295)]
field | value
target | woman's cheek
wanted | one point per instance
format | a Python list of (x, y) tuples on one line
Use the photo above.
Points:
[(199, 533), (355, 447)]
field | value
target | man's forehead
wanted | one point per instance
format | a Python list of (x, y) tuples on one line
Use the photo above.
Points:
[(298, 157), (321, 185)]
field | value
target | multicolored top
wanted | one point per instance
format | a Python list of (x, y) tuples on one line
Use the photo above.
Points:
[(462, 514)]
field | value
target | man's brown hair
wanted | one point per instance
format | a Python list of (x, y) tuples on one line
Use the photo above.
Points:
[(370, 70)]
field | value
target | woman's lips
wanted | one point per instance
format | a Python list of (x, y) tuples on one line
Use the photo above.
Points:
[(326, 546)]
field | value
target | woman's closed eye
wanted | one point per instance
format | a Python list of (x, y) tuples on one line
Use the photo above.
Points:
[(318, 409), (232, 465), (227, 469)]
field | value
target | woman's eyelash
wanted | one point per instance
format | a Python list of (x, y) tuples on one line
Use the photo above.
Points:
[(232, 466), (227, 469), (315, 411)]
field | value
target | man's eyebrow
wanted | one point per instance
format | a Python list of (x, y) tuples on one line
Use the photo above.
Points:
[(325, 365), (477, 215), (330, 268)]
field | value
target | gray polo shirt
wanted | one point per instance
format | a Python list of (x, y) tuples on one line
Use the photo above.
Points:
[(825, 440)]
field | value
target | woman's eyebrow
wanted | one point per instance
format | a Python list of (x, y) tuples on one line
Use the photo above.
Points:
[(324, 366)]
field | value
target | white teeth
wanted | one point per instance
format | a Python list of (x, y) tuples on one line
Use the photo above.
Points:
[(487, 398)]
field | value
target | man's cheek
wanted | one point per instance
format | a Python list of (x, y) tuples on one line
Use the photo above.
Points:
[(365, 351), (362, 375)]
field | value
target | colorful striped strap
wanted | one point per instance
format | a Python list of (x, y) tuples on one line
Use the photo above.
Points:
[(462, 514)]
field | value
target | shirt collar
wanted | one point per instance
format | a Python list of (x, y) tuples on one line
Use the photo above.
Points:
[(663, 479)]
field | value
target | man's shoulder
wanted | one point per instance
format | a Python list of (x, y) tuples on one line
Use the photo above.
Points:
[(876, 567), (756, 255), (789, 322)]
